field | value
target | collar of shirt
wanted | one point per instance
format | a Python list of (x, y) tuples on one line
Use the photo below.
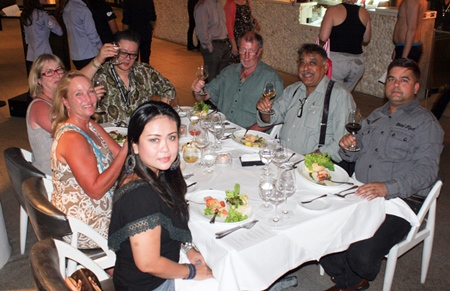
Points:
[(407, 108)]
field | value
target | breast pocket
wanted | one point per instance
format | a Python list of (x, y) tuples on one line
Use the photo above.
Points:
[(313, 117), (398, 144)]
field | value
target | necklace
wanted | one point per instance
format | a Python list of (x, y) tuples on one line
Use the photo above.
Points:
[(445, 8)]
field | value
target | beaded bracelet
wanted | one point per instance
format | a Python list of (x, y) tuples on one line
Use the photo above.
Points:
[(192, 272)]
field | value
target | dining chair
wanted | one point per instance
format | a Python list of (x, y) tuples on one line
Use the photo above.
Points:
[(19, 169), (49, 222), (424, 232), (48, 259), (275, 132)]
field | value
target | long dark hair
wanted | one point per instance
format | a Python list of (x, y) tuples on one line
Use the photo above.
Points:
[(170, 184), (28, 7)]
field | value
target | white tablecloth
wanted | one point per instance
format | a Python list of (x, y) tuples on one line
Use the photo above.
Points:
[(308, 236)]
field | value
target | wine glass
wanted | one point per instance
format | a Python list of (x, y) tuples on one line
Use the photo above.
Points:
[(276, 198), (280, 152), (201, 141), (286, 184), (202, 74), (115, 60), (267, 186), (266, 154), (268, 93), (353, 125), (217, 129), (209, 158)]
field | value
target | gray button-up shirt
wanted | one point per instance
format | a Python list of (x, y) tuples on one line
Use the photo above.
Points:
[(401, 150), (302, 134), (238, 100)]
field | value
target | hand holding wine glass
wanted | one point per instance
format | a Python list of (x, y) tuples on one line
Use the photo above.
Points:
[(202, 74), (353, 125)]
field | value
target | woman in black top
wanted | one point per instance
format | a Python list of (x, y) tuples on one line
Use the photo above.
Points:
[(149, 223)]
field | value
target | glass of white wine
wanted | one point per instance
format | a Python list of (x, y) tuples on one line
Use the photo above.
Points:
[(202, 74), (268, 93)]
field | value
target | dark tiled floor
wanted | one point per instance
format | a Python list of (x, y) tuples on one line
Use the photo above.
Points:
[(179, 65)]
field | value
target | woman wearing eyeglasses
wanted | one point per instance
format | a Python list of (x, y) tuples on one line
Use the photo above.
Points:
[(128, 84), (44, 77)]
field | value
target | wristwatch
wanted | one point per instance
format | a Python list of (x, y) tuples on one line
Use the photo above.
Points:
[(187, 246)]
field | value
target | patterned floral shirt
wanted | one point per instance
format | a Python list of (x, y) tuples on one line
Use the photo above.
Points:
[(145, 82)]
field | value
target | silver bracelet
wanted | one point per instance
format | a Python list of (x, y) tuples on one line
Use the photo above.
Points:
[(187, 246)]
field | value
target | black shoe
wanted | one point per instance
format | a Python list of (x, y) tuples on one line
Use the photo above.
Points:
[(191, 47)]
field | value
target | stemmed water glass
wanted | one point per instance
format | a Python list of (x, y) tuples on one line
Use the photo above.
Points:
[(115, 60), (286, 185), (280, 152), (98, 111), (209, 158), (353, 125), (201, 141), (267, 187), (202, 74), (276, 199), (268, 93), (217, 129), (266, 155)]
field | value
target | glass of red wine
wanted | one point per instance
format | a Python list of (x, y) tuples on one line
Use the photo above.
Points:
[(353, 126)]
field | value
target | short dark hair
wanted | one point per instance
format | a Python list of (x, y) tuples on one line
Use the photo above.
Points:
[(251, 36), (312, 48), (408, 64), (127, 34)]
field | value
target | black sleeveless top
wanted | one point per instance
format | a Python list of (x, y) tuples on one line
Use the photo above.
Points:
[(347, 37)]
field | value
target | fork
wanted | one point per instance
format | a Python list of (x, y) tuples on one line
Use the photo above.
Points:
[(248, 225), (309, 201)]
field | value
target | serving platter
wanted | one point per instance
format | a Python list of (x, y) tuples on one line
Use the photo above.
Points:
[(338, 175), (198, 205), (238, 135)]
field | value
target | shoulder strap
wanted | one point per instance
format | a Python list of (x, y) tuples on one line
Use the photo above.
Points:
[(326, 105)]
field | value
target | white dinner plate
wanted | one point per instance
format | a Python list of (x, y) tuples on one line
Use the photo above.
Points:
[(238, 135), (339, 175), (219, 195), (120, 130), (319, 204)]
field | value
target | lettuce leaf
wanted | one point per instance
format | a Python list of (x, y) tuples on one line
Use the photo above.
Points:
[(321, 159)]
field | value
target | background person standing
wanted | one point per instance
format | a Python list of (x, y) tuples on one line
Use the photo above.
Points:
[(212, 33), (190, 34), (140, 16)]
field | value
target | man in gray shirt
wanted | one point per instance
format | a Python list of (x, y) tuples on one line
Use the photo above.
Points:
[(401, 144), (211, 31), (300, 107), (238, 88)]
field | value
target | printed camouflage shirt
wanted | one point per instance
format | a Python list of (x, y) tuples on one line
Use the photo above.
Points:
[(145, 82)]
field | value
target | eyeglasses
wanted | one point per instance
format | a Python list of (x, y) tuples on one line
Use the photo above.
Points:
[(250, 52), (51, 73), (300, 110), (125, 55)]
